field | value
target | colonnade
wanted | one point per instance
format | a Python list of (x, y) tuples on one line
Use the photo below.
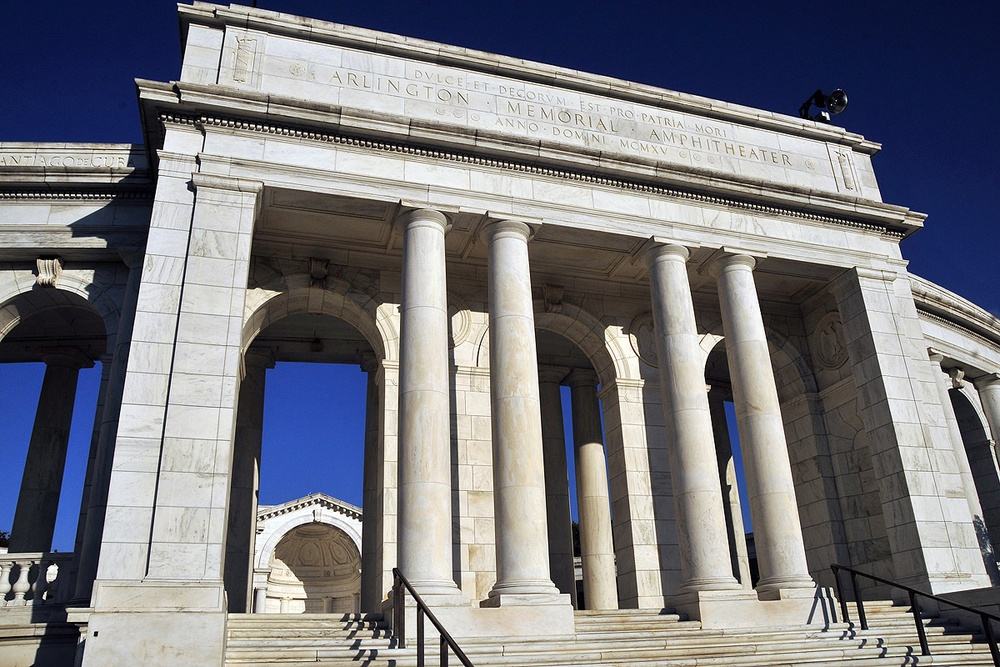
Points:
[(525, 563)]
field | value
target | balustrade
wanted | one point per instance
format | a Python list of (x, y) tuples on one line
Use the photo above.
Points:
[(33, 578)]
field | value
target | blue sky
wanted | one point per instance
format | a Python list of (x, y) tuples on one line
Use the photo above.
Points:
[(921, 78)]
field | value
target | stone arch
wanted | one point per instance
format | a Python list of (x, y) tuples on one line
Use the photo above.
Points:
[(373, 318), (793, 372), (611, 357), (294, 522), (982, 463), (72, 291)]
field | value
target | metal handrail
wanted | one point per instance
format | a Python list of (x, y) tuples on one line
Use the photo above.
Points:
[(984, 617), (399, 587)]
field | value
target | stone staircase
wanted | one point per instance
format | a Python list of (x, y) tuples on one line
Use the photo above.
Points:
[(612, 639)]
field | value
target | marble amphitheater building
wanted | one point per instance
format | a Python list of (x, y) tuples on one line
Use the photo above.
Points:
[(478, 232)]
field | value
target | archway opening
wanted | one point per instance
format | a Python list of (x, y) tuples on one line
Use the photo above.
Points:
[(736, 503), (578, 504), (50, 379), (303, 428), (315, 568)]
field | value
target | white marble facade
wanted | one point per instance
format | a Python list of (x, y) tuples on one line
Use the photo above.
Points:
[(477, 231)]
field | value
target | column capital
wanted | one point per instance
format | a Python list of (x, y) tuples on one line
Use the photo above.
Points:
[(423, 217), (727, 262), (258, 356), (655, 250), (496, 226), (936, 356), (65, 357), (582, 377), (216, 182), (552, 374), (990, 380), (369, 362)]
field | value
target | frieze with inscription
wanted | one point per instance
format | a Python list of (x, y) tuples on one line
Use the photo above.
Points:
[(395, 85)]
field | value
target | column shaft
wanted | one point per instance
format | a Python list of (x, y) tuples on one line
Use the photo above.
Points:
[(597, 547), (781, 553), (425, 521), (41, 482), (701, 518), (242, 527), (557, 506), (371, 533), (518, 468), (989, 394)]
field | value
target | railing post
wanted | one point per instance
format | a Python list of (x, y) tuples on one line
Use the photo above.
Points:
[(21, 586), (398, 611), (858, 601), (5, 568), (921, 634), (991, 638), (420, 637), (444, 652), (840, 594)]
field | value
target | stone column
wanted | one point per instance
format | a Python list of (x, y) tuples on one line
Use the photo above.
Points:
[(518, 468), (596, 543), (425, 521), (557, 506), (988, 387), (41, 482), (371, 537), (781, 555), (701, 518), (242, 528), (944, 382), (731, 491)]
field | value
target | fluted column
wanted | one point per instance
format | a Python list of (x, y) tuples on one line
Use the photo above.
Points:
[(41, 482), (781, 555), (518, 468), (597, 547), (242, 528), (701, 517), (425, 522), (557, 506)]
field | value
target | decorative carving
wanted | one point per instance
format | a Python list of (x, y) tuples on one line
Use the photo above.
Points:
[(319, 269), (845, 169), (459, 321), (246, 50), (641, 336), (553, 296), (49, 269), (831, 351), (957, 376)]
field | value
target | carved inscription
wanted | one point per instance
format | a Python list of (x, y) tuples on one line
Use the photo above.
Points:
[(64, 160), (532, 110)]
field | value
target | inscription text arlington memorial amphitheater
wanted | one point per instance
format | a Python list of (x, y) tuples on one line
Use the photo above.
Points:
[(476, 231)]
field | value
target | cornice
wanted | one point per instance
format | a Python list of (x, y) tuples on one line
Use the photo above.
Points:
[(320, 499), (636, 185), (99, 194), (949, 309)]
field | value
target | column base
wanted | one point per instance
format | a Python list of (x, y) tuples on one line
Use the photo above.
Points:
[(782, 588), (744, 609)]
